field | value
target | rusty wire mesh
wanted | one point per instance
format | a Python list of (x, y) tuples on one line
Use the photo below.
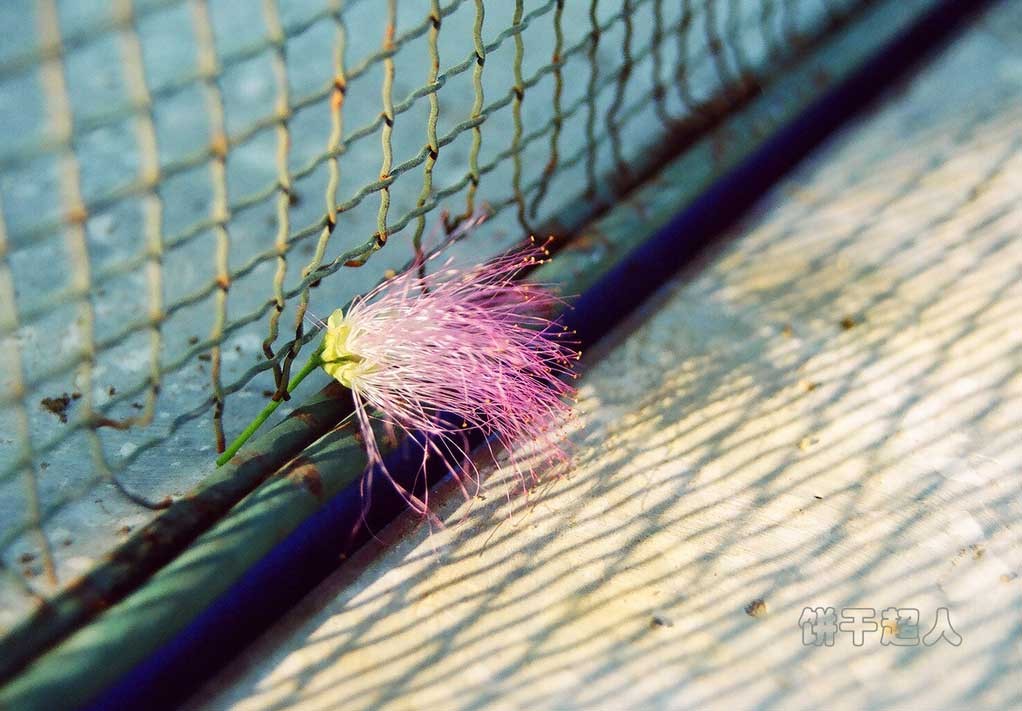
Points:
[(180, 181)]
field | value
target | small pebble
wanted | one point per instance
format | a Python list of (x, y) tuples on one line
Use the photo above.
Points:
[(756, 608), (660, 621)]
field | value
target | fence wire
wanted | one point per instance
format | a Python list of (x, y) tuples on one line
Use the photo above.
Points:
[(180, 182)]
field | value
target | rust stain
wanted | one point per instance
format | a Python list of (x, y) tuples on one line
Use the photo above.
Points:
[(592, 239), (334, 390), (255, 459), (76, 215), (200, 505), (99, 421), (57, 405), (151, 534), (93, 599), (306, 417), (583, 242), (305, 473), (218, 147), (337, 97)]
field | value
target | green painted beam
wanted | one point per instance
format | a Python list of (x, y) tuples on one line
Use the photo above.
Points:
[(126, 567)]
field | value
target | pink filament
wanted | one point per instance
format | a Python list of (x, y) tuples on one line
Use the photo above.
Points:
[(474, 343)]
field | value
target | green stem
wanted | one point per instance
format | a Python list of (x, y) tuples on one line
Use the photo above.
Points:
[(314, 362)]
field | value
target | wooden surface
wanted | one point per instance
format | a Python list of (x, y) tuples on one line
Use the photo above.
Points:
[(828, 414)]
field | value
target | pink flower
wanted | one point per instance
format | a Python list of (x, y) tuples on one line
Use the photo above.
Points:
[(456, 351)]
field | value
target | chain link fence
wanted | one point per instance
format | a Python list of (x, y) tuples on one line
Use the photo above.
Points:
[(181, 182)]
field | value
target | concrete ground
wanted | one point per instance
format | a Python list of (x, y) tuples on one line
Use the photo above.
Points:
[(827, 415)]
